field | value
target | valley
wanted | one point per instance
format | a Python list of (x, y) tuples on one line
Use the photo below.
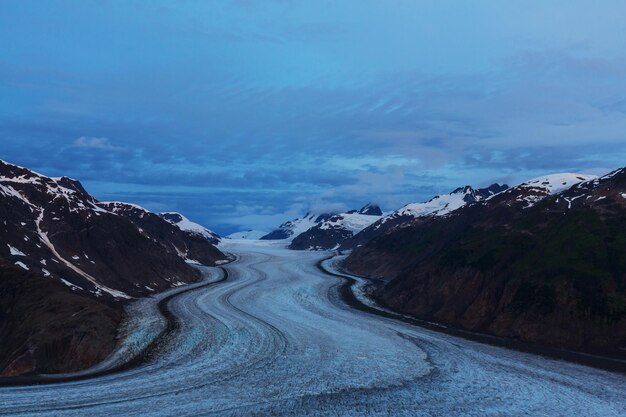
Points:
[(277, 338)]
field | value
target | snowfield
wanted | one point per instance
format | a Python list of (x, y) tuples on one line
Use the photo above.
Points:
[(438, 206), (187, 225), (555, 183), (352, 222), (275, 338), (537, 189)]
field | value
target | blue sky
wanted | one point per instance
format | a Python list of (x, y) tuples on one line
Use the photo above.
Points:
[(242, 114)]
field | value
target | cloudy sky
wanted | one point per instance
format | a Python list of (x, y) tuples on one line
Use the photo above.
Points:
[(242, 114)]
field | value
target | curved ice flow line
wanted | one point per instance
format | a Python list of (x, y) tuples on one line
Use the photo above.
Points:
[(144, 325), (356, 294), (276, 338)]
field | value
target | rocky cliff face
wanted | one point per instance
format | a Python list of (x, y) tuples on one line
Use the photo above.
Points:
[(544, 262), (87, 254)]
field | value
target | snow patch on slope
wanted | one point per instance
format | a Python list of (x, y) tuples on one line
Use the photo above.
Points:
[(22, 265), (299, 226), (184, 224), (15, 251), (436, 206), (353, 222), (555, 183), (293, 228), (535, 190)]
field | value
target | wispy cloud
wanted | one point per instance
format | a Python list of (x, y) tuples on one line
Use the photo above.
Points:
[(249, 111), (90, 142)]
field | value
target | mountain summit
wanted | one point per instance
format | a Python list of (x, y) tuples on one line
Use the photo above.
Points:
[(292, 228), (440, 205), (371, 209)]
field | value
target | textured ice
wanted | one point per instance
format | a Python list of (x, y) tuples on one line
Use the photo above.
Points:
[(277, 339)]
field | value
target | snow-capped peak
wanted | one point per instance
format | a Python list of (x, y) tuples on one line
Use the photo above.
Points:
[(184, 224), (555, 183), (371, 209), (353, 222), (445, 203), (531, 192), (292, 228), (439, 205)]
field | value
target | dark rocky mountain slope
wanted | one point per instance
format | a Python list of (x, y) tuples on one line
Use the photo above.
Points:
[(53, 232), (543, 262), (192, 246), (46, 328)]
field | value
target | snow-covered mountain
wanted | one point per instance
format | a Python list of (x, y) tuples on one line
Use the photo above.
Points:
[(247, 234), (541, 262), (446, 203), (292, 228), (494, 203), (68, 263), (192, 242), (530, 192), (596, 191), (440, 205), (53, 228), (355, 228), (186, 225), (370, 209), (523, 195), (336, 229)]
